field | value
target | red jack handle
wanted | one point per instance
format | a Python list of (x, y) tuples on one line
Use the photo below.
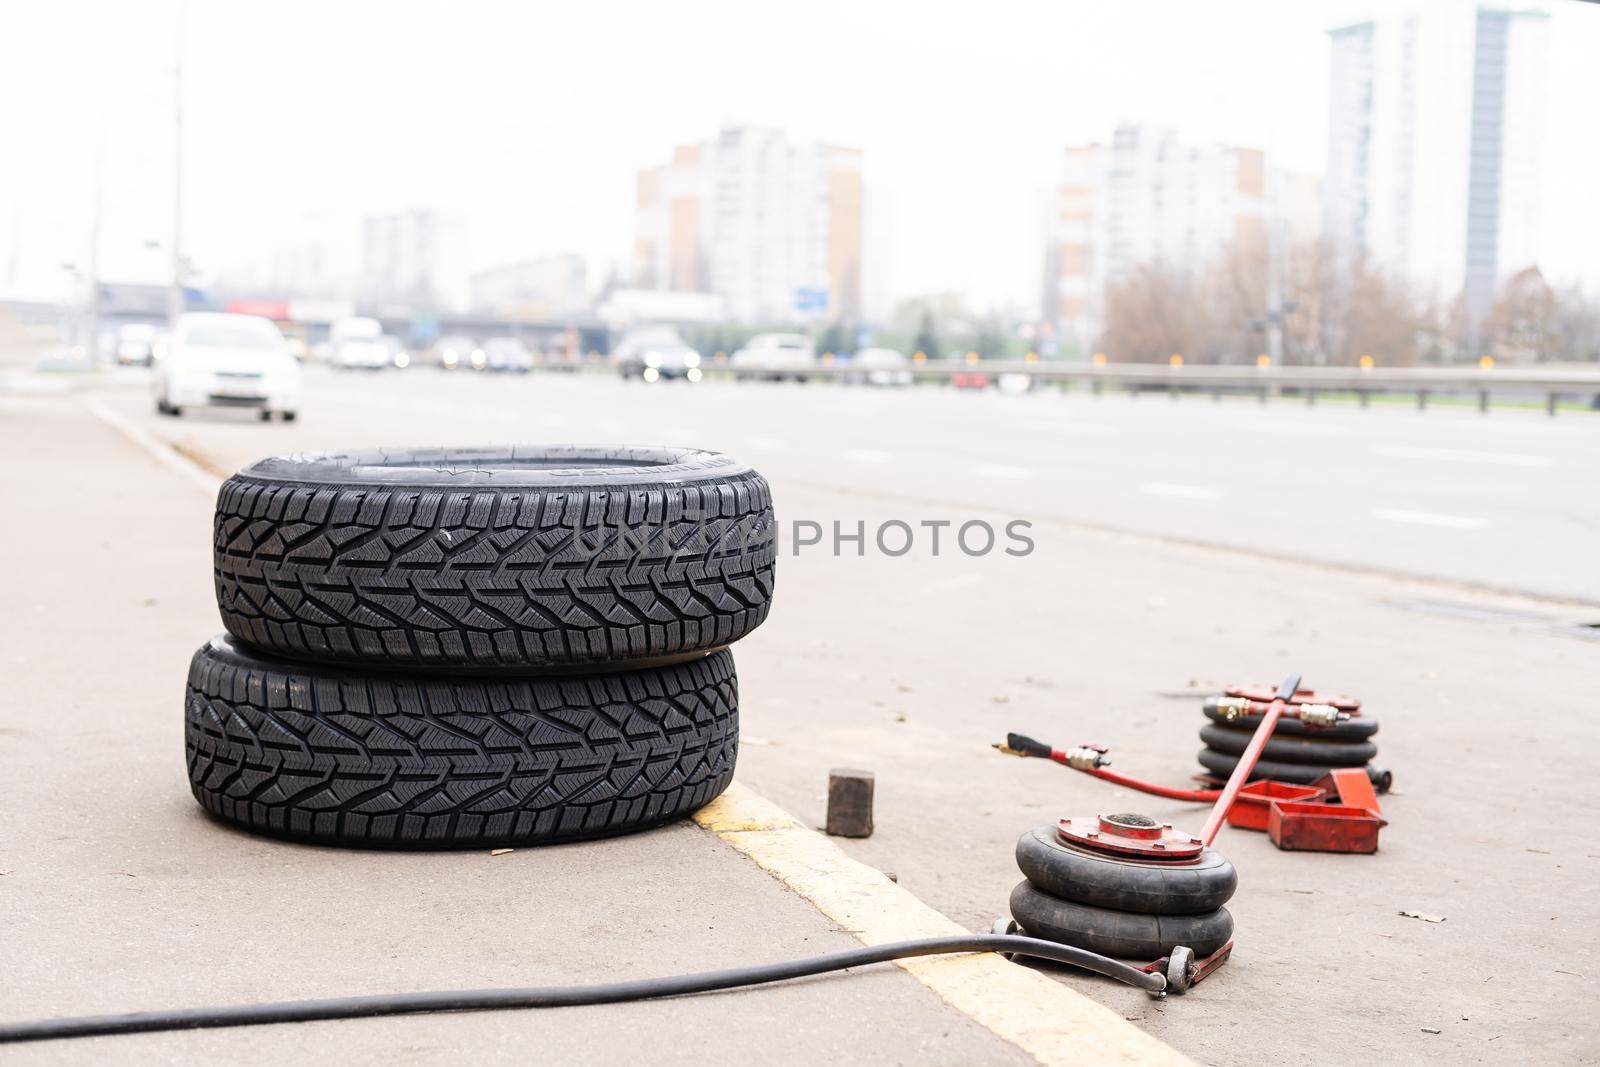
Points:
[(1247, 762)]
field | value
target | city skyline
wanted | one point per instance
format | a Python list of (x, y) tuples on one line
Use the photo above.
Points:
[(962, 172), (770, 224)]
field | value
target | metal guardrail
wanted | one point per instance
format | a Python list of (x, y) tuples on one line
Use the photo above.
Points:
[(1306, 383)]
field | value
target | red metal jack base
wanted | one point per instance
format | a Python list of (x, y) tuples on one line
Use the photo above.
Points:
[(1128, 834), (1183, 971)]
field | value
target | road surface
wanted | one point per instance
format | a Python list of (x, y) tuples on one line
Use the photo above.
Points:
[(1109, 630), (1505, 501)]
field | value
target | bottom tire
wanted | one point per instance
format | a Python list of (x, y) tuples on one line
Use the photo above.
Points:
[(1124, 934), (356, 757)]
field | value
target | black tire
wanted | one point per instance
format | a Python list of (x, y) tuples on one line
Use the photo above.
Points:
[(348, 757), (1221, 764), (1290, 749), (1152, 888), (516, 558), (1124, 934), (1349, 730)]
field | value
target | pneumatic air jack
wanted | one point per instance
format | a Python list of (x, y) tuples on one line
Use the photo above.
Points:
[(1132, 887)]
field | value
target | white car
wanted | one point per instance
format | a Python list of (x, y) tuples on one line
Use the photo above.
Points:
[(458, 352), (882, 366), (507, 355), (779, 354), (359, 344), (135, 344), (218, 360)]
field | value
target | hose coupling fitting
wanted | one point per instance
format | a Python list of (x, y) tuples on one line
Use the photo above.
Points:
[(1086, 757), (1233, 708), (1321, 715)]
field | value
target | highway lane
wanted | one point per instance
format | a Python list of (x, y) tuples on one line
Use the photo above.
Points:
[(1506, 501)]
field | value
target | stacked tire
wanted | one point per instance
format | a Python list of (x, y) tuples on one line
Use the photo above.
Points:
[(468, 648), (1295, 752), (1121, 907)]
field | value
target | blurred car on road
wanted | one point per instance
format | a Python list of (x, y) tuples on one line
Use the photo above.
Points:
[(398, 356), (459, 352), (780, 354), (880, 366), (358, 344), (507, 355), (652, 355), (136, 344), (218, 360)]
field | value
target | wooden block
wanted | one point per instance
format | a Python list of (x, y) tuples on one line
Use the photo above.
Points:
[(850, 803)]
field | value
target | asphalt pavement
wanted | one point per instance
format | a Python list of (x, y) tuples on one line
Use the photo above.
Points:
[(119, 894), (1502, 501), (1354, 546)]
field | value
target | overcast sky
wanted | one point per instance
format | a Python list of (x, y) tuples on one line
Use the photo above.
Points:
[(532, 118)]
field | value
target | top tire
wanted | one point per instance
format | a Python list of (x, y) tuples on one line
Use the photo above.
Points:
[(520, 558)]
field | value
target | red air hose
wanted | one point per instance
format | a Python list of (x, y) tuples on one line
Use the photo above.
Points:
[(1198, 796), (1090, 759)]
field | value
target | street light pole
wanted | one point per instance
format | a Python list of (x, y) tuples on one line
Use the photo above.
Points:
[(1274, 287), (91, 307), (175, 301)]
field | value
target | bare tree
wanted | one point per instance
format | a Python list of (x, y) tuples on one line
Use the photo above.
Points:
[(1523, 324), (1336, 309), (1154, 312), (1576, 326)]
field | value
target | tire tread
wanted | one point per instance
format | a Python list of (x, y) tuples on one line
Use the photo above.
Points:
[(353, 757)]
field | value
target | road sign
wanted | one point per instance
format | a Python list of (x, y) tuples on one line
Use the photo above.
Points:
[(810, 299)]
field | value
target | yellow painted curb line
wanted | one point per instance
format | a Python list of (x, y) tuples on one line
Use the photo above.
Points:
[(1050, 1021)]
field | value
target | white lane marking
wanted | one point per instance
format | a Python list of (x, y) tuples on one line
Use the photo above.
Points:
[(765, 444), (1428, 518), (1083, 429), (995, 470), (1182, 492), (1461, 455), (1279, 428), (867, 455)]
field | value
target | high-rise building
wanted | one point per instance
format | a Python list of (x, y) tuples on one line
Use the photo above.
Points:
[(669, 249), (1148, 197), (1435, 130), (415, 259), (772, 226)]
